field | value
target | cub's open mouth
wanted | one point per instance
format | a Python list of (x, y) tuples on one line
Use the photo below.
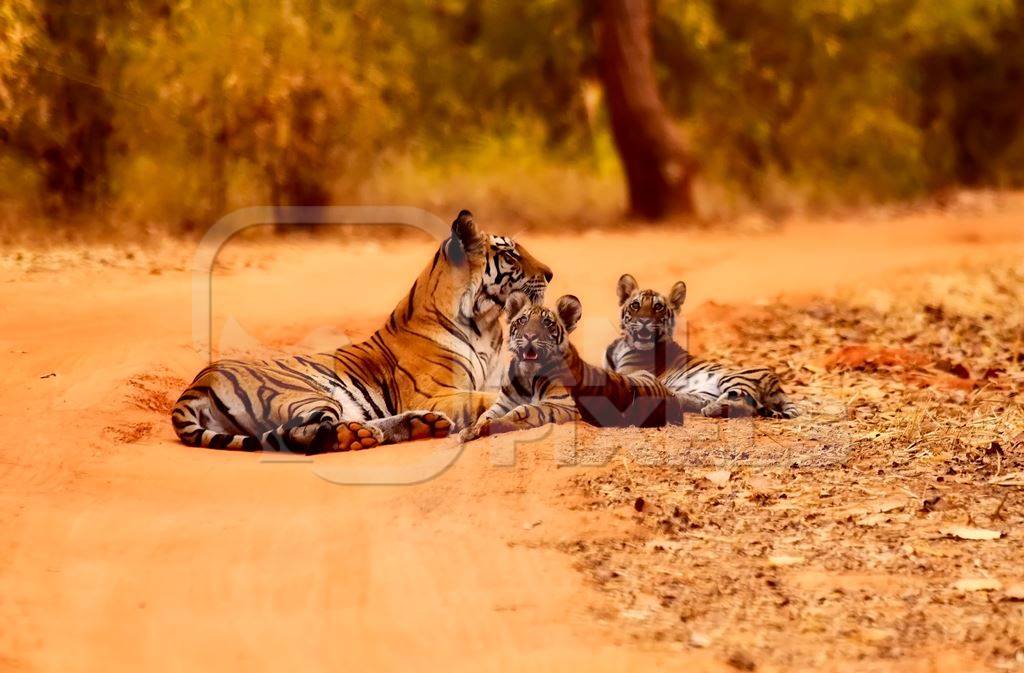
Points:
[(530, 353), (644, 333)]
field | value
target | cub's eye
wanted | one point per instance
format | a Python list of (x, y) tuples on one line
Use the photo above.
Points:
[(635, 305), (521, 320), (659, 308), (549, 323)]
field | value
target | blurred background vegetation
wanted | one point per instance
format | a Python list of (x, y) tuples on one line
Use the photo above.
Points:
[(126, 117)]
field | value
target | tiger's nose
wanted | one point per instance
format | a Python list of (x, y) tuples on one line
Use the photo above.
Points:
[(547, 274)]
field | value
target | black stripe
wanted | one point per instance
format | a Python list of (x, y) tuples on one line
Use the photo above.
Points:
[(409, 301)]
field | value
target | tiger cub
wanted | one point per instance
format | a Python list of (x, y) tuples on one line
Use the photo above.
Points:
[(548, 382), (647, 344)]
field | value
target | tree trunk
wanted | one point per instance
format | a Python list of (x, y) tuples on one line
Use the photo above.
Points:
[(301, 166), (659, 169), (74, 162)]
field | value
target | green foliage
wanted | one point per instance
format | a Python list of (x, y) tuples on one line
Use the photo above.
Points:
[(830, 97), (19, 25), (177, 112)]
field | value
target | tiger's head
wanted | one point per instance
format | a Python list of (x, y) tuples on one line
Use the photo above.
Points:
[(499, 266), (647, 316), (538, 335)]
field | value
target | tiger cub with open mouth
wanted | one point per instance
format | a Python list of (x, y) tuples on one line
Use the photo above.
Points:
[(548, 382)]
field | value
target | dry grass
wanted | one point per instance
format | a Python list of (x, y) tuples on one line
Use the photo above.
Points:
[(832, 541)]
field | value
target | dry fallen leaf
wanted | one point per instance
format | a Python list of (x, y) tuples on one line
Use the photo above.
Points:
[(662, 544), (1009, 479), (969, 533), (741, 661), (877, 635), (1015, 592), (719, 477), (785, 560), (978, 584), (871, 513), (636, 615), (700, 639), (851, 513), (890, 504), (761, 485)]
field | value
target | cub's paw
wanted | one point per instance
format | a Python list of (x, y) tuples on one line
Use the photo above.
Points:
[(789, 410), (495, 426), (691, 404), (475, 431), (731, 404), (355, 436), (428, 424), (728, 409)]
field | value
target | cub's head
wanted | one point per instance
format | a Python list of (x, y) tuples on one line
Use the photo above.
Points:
[(499, 265), (539, 335), (648, 317)]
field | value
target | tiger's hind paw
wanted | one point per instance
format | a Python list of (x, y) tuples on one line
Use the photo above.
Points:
[(355, 436), (429, 424)]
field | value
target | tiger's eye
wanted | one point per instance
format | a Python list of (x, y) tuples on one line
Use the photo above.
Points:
[(659, 307), (635, 306)]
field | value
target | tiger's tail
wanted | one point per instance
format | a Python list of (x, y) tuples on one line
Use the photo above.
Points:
[(188, 426)]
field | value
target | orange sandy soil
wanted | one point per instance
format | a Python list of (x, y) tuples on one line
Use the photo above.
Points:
[(124, 550)]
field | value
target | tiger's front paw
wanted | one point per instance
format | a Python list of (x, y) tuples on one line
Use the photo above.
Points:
[(355, 436), (429, 424)]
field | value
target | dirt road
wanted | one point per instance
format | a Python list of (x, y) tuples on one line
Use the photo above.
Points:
[(123, 550)]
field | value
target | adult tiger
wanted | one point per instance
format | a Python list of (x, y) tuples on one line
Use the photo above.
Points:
[(419, 375), (647, 344), (548, 382)]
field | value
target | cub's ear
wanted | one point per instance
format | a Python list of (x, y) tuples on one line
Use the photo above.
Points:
[(465, 236), (569, 310), (678, 295), (515, 303), (627, 286)]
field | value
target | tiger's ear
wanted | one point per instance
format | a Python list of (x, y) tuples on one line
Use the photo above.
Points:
[(678, 295), (627, 286), (465, 237), (515, 303), (569, 310)]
